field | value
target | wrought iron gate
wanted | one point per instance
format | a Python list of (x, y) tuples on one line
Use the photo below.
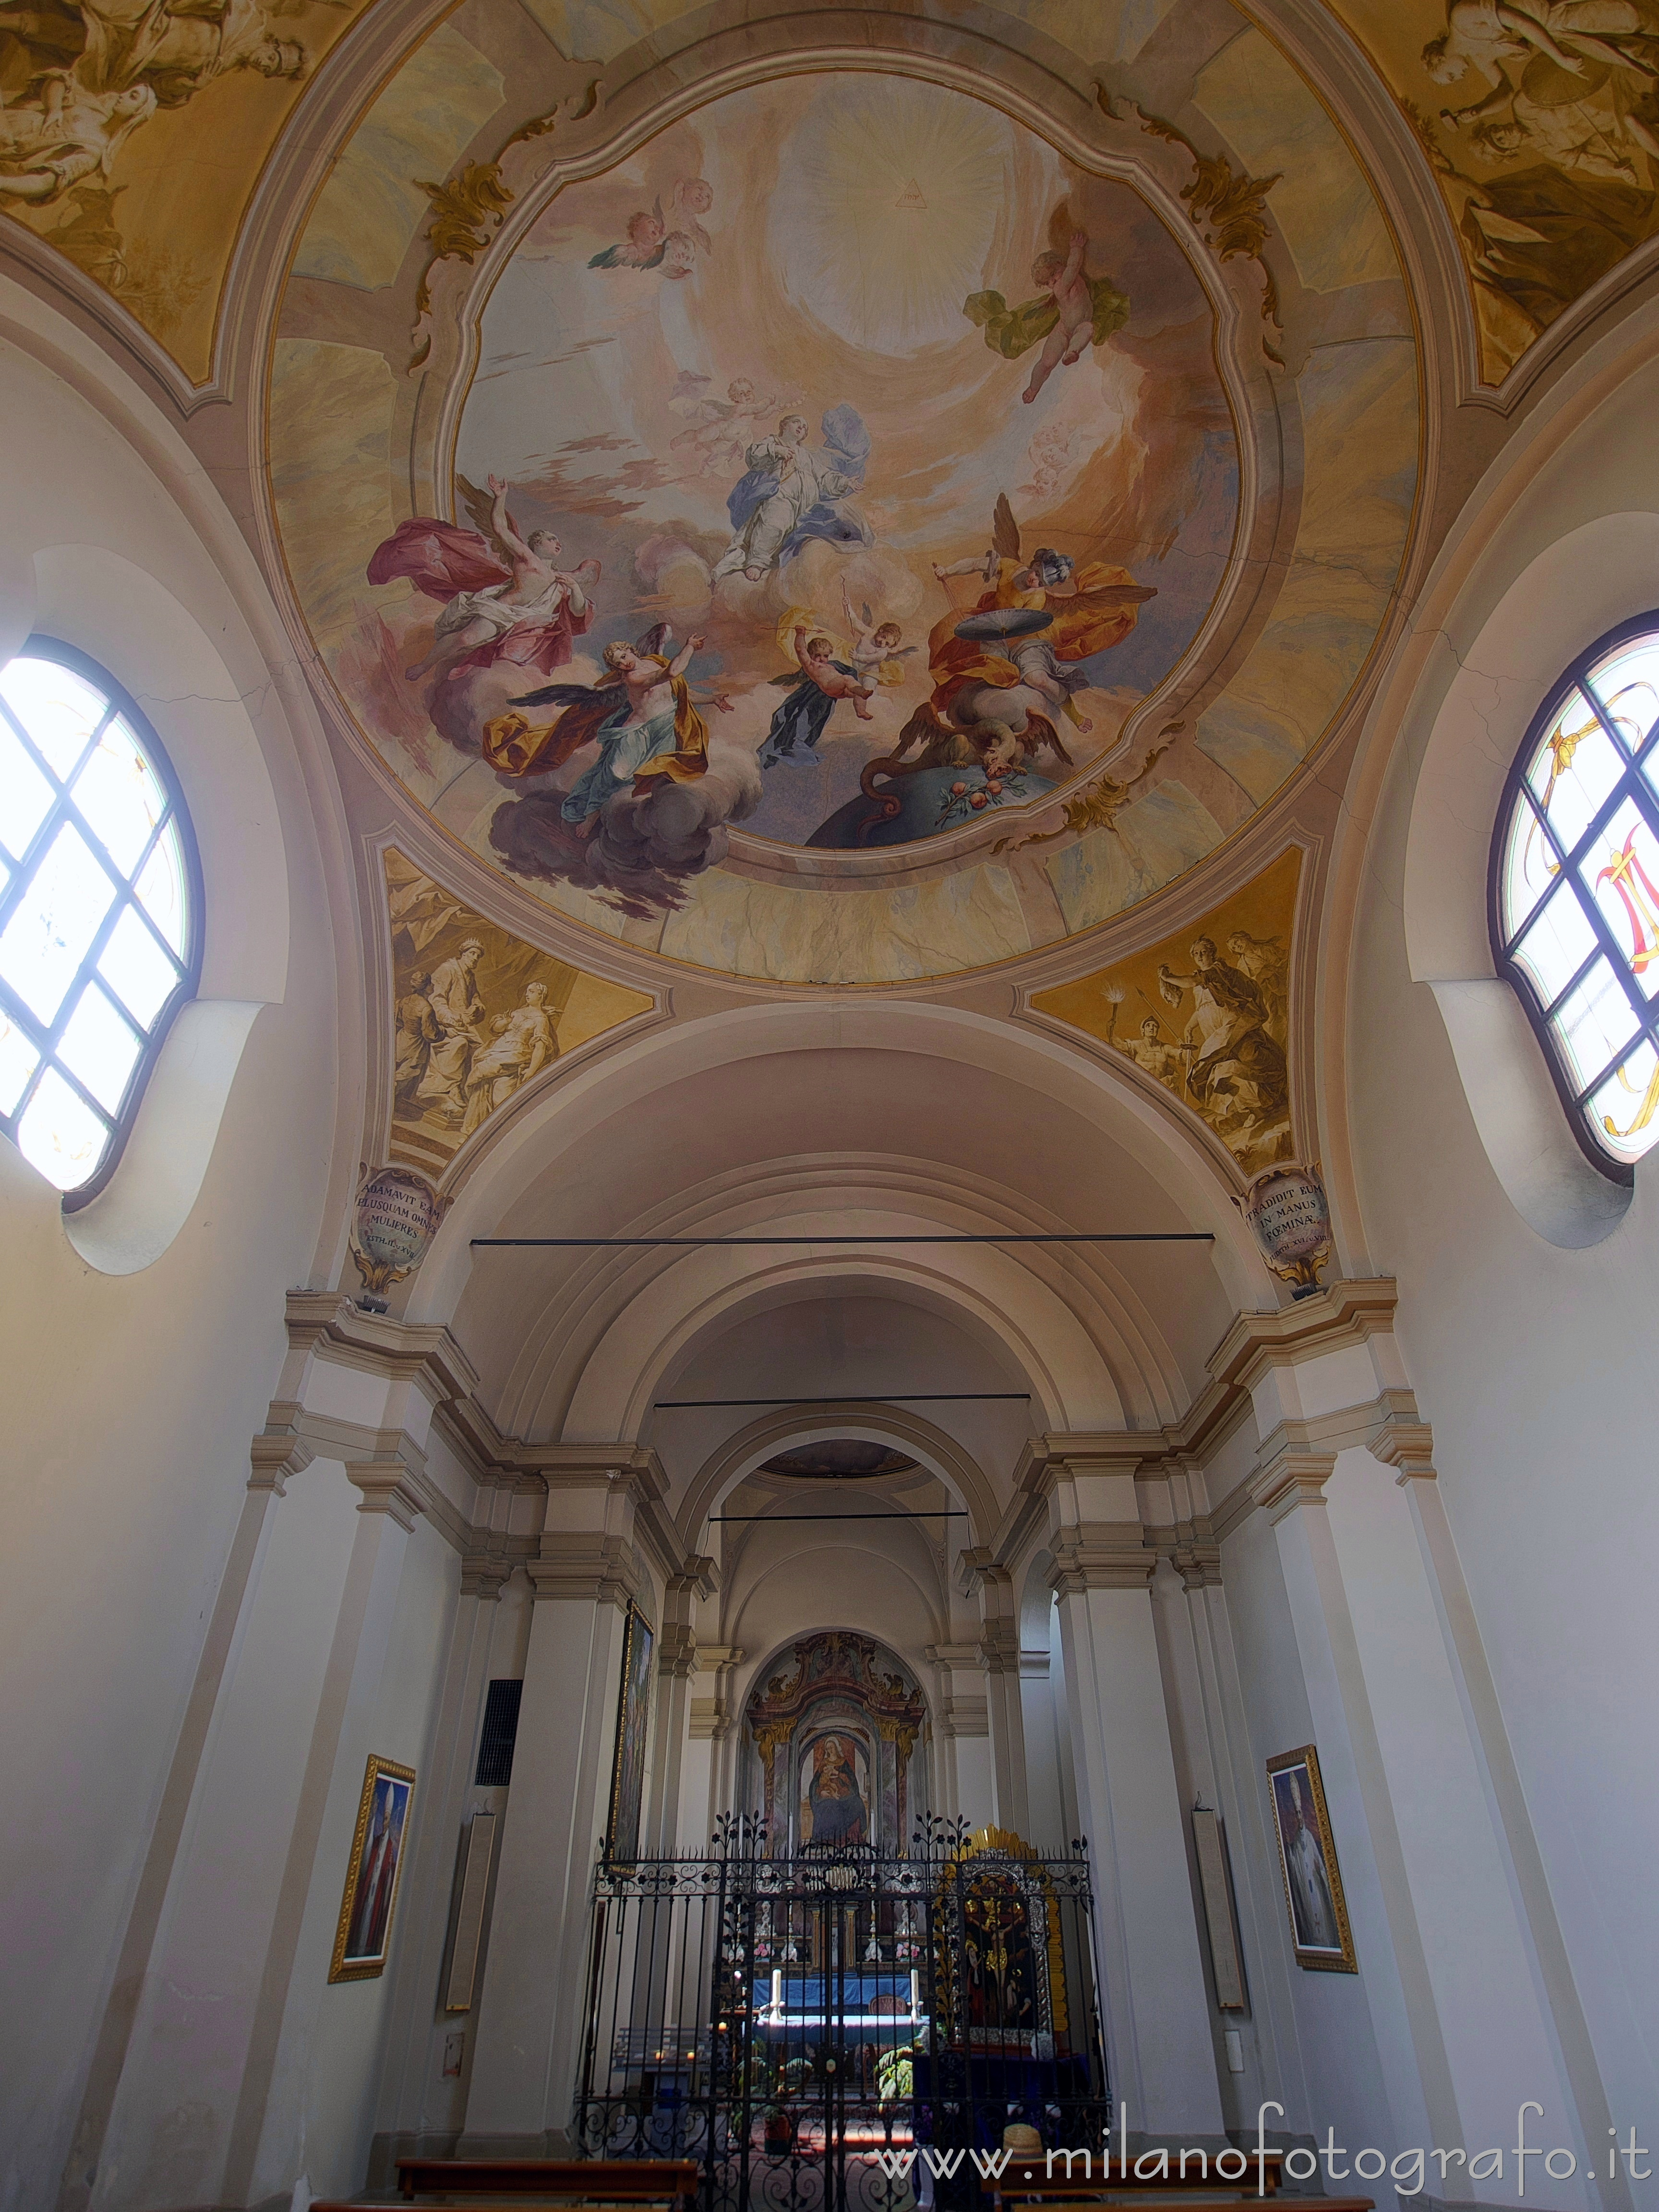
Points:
[(841, 2031)]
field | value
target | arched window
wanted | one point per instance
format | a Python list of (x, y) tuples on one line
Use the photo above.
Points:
[(1574, 892), (100, 912)]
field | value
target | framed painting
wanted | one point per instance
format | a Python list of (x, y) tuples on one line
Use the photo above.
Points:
[(622, 1839), (364, 1935), (1306, 1862)]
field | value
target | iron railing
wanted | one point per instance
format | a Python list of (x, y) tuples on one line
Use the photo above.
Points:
[(840, 2029)]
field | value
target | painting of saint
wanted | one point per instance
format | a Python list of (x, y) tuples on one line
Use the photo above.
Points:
[(791, 495), (633, 1726), (364, 1935), (833, 1806), (1313, 1886)]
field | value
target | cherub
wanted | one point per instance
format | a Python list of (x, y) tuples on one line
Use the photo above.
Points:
[(1163, 1061), (877, 648), (718, 434), (1060, 276), (643, 247), (1074, 311), (816, 655), (817, 681)]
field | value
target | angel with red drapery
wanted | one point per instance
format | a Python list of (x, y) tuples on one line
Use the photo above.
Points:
[(505, 597)]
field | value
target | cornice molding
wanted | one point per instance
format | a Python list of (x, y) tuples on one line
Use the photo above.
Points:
[(596, 1570), (1102, 1555)]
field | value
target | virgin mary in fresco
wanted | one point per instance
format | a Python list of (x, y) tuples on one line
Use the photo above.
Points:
[(835, 1807)]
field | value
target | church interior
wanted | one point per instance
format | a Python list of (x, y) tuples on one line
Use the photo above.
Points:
[(764, 771)]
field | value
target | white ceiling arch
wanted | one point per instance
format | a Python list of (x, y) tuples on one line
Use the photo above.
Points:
[(762, 1093), (932, 1445)]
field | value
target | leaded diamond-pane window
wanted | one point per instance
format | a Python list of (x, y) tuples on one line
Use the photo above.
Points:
[(100, 912), (1575, 891)]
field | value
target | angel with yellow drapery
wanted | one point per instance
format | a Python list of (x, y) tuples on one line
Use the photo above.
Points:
[(640, 714), (1073, 312), (1005, 644)]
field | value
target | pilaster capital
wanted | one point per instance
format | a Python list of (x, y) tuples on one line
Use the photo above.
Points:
[(953, 1655), (1047, 1461), (486, 1575), (708, 1720), (1407, 1445), (677, 1652), (999, 1650), (391, 1485), (979, 1573), (1291, 1471), (699, 1577), (1097, 1555), (277, 1452), (966, 1716), (577, 1566), (1191, 1548)]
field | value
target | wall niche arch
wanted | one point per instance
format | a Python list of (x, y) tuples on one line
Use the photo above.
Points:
[(834, 1746)]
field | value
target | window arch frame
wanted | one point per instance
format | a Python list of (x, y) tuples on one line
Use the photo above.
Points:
[(120, 703), (1630, 783)]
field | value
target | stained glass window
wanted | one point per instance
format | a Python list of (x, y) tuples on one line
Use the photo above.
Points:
[(1575, 891), (99, 908)]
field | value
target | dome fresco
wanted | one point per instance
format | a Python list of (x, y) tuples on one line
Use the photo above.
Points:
[(848, 531)]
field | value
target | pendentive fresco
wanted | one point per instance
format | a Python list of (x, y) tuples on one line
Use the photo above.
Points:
[(477, 1014), (1541, 120)]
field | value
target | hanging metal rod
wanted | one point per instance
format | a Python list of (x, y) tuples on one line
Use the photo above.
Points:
[(693, 1244), (943, 1513), (869, 1398)]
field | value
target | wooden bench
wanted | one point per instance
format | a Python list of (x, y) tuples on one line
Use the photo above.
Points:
[(582, 2181), (1025, 2179)]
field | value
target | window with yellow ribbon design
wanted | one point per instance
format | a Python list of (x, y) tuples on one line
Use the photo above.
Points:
[(1574, 892)]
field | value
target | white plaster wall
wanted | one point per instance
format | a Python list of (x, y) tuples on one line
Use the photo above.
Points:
[(1334, 2077), (323, 2114), (125, 1451), (1534, 1362)]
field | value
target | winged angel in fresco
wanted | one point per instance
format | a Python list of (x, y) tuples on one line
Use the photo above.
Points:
[(1003, 672), (512, 604), (640, 714), (1073, 311)]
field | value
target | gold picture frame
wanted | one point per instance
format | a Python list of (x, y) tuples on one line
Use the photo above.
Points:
[(380, 1843), (1320, 1934), (621, 1837)]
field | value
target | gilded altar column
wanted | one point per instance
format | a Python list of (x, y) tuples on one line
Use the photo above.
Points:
[(1154, 2007), (530, 2017)]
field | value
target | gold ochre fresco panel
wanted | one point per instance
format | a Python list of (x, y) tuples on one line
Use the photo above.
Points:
[(1541, 120), (477, 1013), (132, 134), (1205, 1014)]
